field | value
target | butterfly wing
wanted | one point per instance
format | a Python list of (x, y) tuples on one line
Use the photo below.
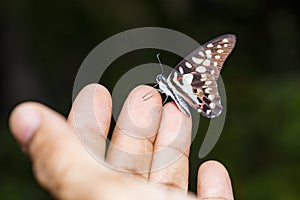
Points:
[(195, 78)]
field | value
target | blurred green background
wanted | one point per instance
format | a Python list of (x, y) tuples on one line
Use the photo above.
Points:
[(44, 42)]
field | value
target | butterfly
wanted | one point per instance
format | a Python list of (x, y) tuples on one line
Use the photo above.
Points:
[(193, 82)]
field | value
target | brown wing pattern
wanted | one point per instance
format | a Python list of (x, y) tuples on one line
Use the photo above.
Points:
[(195, 78)]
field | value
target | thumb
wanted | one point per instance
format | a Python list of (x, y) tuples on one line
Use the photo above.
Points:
[(59, 160)]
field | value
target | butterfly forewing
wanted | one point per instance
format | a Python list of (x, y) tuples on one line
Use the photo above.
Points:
[(195, 78)]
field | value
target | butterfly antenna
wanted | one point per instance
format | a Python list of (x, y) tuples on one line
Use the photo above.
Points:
[(149, 94), (162, 69)]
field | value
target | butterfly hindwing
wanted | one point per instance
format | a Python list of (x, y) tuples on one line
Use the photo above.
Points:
[(195, 78)]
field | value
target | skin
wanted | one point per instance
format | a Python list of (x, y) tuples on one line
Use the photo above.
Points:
[(133, 168)]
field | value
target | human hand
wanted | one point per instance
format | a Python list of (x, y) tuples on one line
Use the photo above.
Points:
[(64, 167)]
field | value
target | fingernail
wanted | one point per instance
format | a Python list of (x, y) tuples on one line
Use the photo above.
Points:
[(24, 123)]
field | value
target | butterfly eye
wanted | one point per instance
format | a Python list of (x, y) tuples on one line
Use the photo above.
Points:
[(158, 78), (195, 90)]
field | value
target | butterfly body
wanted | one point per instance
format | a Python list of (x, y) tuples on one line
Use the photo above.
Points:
[(193, 81), (164, 87)]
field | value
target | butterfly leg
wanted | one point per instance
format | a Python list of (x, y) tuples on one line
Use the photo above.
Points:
[(165, 100)]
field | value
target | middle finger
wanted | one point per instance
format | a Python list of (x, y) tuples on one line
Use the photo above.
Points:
[(136, 128)]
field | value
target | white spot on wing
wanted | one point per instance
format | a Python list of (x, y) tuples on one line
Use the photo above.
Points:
[(212, 105), (220, 51), (207, 90), (206, 62), (181, 70), (208, 52), (208, 82), (212, 72), (219, 46), (188, 65), (201, 69), (208, 112), (217, 57), (215, 63), (197, 60), (225, 45), (210, 45), (211, 97), (225, 40), (188, 78), (201, 54)]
